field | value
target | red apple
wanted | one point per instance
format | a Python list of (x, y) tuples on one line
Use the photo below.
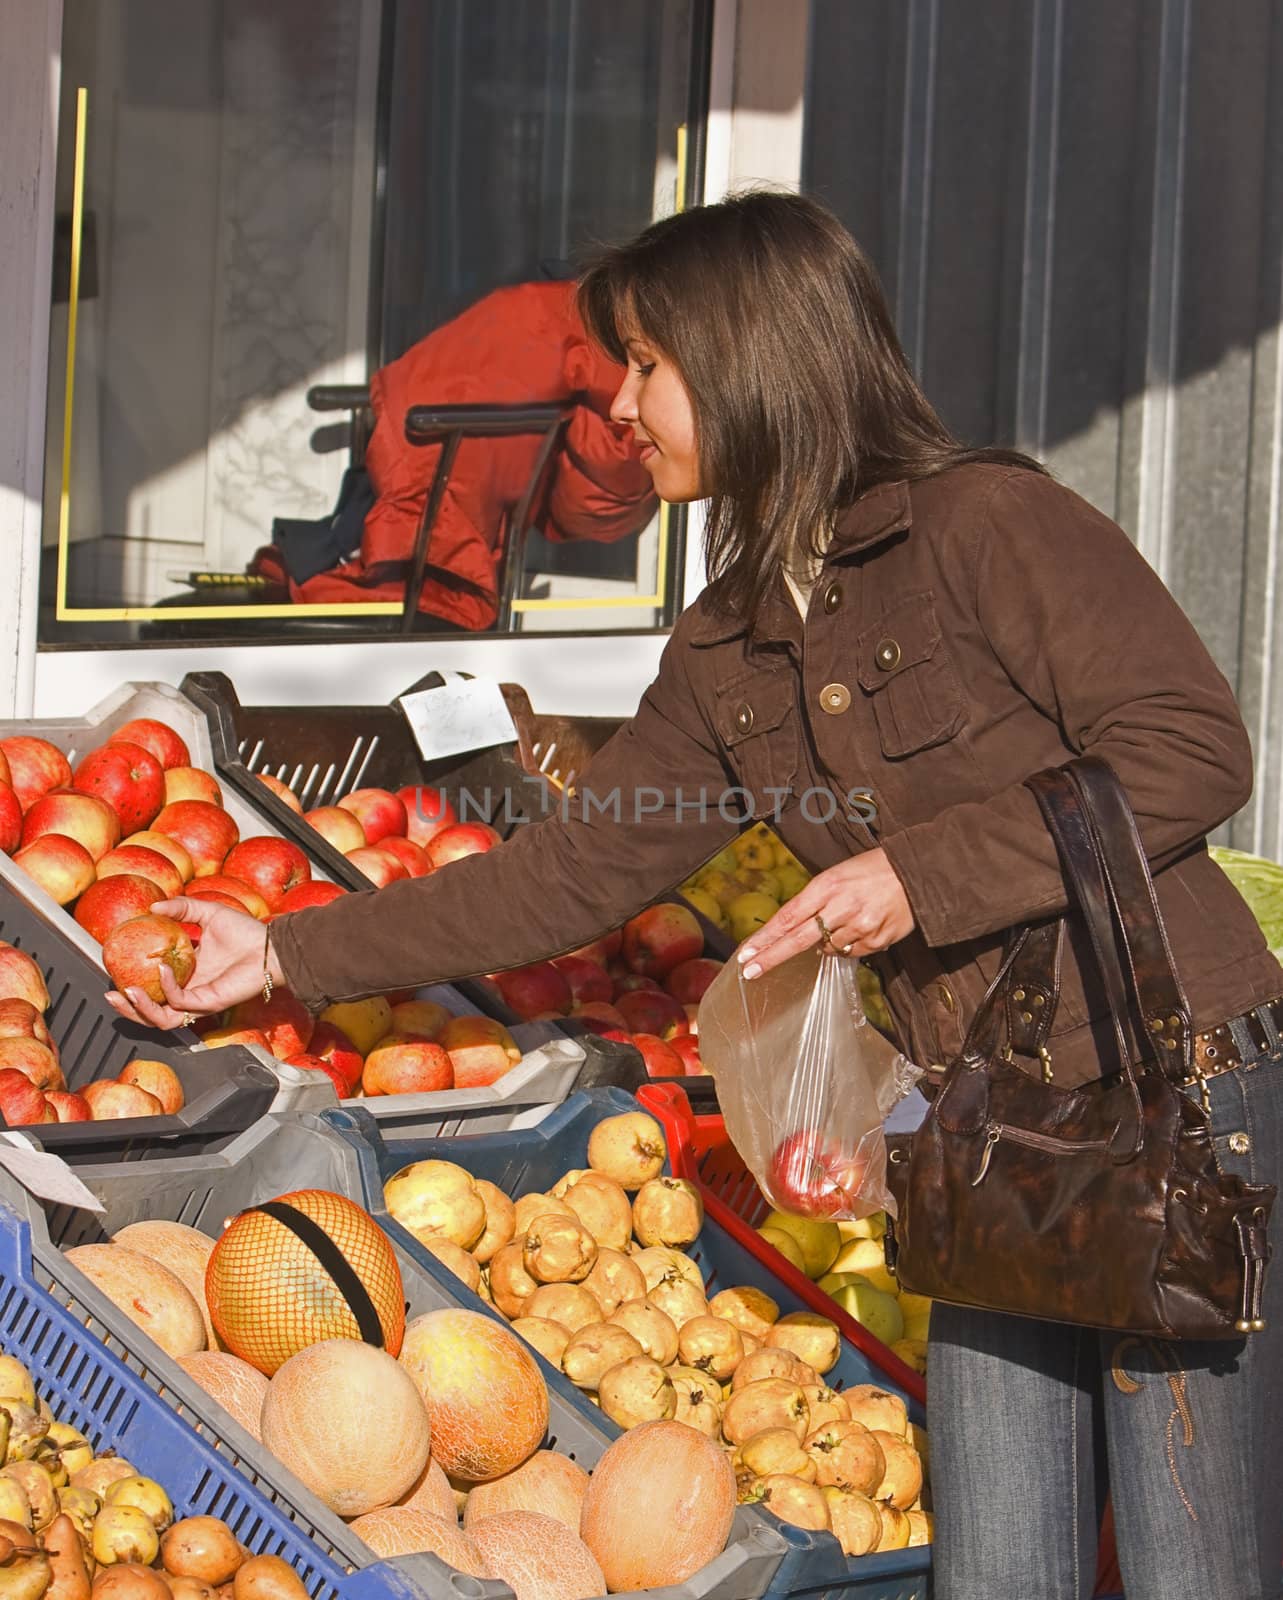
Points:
[(128, 778), (332, 1046), (37, 1060), (272, 866), (463, 839), (602, 950), (69, 1106), (159, 1079), (282, 791), (168, 747), (215, 1038), (652, 1011), (170, 848), (19, 1019), (427, 812), (814, 1176), (77, 816), (109, 1100), (379, 812), (662, 1061), (339, 827), (285, 1022), (398, 1065), (688, 981), (21, 1103), (213, 897), (35, 767), (601, 1011), (10, 818), (630, 982), (203, 829), (660, 938), (380, 866), (316, 893), (61, 866), (536, 991), (220, 886), (686, 1045), (142, 862), (21, 978), (111, 901), (191, 783), (311, 1063), (587, 980), (5, 775), (480, 1049), (423, 1018), (412, 857), (134, 952)]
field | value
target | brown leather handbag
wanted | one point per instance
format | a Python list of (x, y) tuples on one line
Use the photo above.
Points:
[(1100, 1205)]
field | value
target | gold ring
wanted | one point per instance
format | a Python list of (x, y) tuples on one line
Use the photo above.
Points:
[(189, 1018), (847, 949), (825, 936)]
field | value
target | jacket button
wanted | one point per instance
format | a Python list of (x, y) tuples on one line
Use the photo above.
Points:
[(832, 598), (744, 718), (944, 994), (887, 655), (1240, 1144), (835, 698)]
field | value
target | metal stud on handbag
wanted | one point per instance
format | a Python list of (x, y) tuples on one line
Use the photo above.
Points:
[(1100, 1205)]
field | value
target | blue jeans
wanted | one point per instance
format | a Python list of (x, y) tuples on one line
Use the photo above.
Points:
[(1029, 1422)]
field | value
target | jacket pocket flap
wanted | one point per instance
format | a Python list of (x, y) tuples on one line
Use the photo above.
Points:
[(752, 705), (905, 636)]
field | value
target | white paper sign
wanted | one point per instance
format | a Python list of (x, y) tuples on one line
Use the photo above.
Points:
[(46, 1175), (460, 716)]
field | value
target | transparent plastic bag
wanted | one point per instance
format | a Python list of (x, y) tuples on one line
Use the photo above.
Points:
[(805, 1083)]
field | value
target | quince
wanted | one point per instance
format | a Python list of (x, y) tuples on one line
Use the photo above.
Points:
[(747, 913)]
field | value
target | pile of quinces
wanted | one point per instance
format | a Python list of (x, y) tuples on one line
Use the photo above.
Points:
[(75, 1525), (594, 1274)]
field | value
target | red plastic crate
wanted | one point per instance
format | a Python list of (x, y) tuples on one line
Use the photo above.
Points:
[(699, 1150)]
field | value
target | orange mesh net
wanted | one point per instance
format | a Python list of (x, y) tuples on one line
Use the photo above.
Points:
[(270, 1294)]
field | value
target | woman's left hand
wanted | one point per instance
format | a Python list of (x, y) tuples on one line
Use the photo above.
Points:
[(861, 902)]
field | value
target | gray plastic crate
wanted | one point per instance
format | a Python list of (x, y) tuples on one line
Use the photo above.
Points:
[(279, 1154)]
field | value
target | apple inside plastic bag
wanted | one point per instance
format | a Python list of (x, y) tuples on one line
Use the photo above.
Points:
[(805, 1083)]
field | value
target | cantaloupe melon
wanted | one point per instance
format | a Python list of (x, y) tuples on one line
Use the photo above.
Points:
[(432, 1493), (239, 1388), (540, 1557), (483, 1389), (185, 1251), (549, 1483), (147, 1292), (659, 1506), (398, 1531), (348, 1421)]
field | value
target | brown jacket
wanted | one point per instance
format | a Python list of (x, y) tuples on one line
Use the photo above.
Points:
[(965, 631)]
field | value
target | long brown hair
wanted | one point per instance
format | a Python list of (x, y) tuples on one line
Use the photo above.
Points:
[(803, 398)]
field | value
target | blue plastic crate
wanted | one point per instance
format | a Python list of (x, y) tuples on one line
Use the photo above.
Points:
[(527, 1160), (280, 1153)]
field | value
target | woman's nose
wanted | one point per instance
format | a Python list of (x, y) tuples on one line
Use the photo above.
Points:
[(623, 408)]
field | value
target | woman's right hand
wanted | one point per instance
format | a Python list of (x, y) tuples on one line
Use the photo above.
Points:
[(229, 967)]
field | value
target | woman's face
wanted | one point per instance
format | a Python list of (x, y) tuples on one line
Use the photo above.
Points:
[(654, 403)]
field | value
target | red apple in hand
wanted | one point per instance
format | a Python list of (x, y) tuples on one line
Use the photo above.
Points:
[(812, 1176), (203, 829), (316, 893), (78, 816), (61, 866), (272, 866), (587, 980), (427, 812), (169, 748), (339, 827), (379, 812), (536, 991), (111, 901), (21, 1103), (35, 767), (134, 952), (463, 839), (660, 938), (10, 818), (128, 778)]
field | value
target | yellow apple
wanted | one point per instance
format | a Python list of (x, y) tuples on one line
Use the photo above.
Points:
[(868, 1258), (817, 1239), (875, 1310), (786, 1244)]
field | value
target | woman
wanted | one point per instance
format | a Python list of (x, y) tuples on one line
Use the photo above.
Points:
[(897, 633)]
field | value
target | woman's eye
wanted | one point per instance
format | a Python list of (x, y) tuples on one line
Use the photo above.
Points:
[(644, 368)]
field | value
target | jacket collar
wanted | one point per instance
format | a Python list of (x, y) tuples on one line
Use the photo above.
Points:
[(880, 512)]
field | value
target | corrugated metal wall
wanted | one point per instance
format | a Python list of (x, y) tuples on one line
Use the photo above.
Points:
[(1077, 208)]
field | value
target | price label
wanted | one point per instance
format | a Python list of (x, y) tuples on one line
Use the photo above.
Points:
[(460, 716), (45, 1175)]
